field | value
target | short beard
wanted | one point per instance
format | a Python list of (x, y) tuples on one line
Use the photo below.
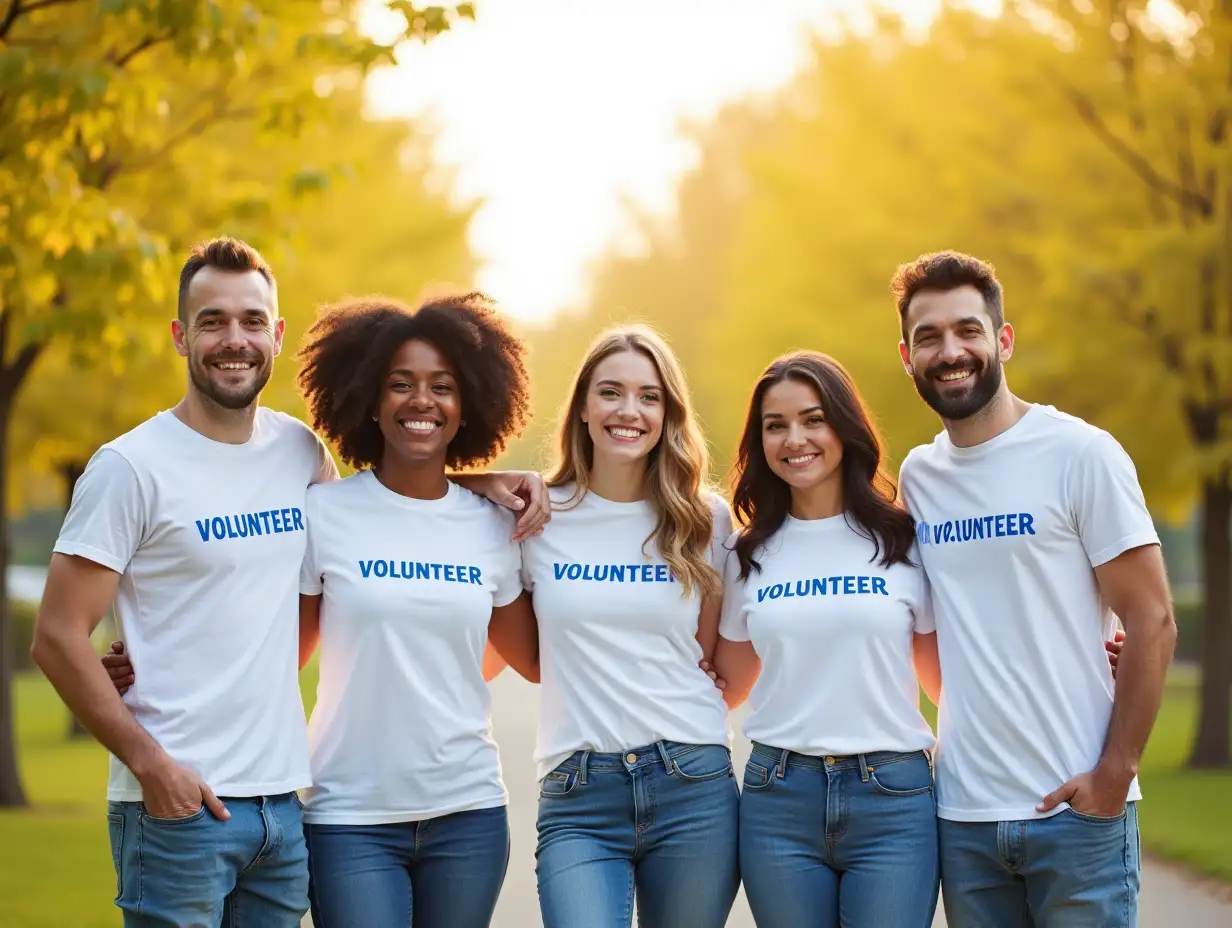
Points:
[(987, 382), (198, 372)]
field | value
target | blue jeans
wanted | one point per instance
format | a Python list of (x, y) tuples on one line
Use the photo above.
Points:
[(1066, 871), (661, 819), (828, 841), (250, 871), (441, 872)]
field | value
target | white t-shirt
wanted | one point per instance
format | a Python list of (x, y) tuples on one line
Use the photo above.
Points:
[(618, 651), (401, 730), (833, 629), (1010, 532), (208, 538)]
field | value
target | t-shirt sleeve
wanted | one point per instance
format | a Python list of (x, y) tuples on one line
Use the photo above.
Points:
[(923, 619), (326, 466), (904, 472), (723, 525), (1106, 501), (107, 519), (733, 620), (525, 573), (508, 578), (311, 582)]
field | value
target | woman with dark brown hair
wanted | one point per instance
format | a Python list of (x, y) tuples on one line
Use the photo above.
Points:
[(837, 817)]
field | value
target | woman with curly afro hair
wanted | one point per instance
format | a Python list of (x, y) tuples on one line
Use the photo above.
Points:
[(409, 578)]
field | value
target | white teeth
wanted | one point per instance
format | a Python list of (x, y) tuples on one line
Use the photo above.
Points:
[(625, 433), (235, 365), (419, 426), (801, 459), (954, 375)]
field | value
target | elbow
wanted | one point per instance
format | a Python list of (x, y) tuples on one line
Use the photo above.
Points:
[(45, 647), (1168, 633)]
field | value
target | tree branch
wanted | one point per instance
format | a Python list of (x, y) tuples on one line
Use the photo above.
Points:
[(39, 4), (16, 372), (148, 42), (191, 131), (12, 374), (16, 11), (10, 17), (1132, 159)]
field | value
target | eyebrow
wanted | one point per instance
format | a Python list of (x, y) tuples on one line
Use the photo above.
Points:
[(966, 320), (213, 312), (406, 372), (802, 412), (617, 383)]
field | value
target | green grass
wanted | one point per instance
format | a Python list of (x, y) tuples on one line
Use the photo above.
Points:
[(55, 867)]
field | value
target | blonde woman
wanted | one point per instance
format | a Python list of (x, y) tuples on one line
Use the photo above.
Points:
[(637, 798)]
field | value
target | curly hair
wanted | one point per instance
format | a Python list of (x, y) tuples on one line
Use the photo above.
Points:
[(945, 271), (348, 349)]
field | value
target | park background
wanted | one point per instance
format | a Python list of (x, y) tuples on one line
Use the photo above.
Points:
[(745, 176)]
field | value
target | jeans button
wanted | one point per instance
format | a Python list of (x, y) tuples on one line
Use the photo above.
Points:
[(631, 758), (829, 761)]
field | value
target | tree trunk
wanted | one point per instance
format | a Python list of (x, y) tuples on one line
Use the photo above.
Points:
[(1211, 747), (12, 376), (11, 792), (70, 471)]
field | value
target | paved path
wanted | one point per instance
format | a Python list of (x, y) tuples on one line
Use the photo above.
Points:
[(1167, 900)]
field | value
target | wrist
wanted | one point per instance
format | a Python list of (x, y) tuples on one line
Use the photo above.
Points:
[(147, 762), (1117, 770)]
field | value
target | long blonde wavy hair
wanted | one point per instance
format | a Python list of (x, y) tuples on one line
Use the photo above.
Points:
[(677, 468)]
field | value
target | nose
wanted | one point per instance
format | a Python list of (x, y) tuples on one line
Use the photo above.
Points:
[(234, 336), (422, 398), (795, 435), (952, 348), (628, 407)]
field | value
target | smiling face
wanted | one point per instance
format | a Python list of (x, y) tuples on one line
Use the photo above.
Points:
[(230, 335), (953, 351), (624, 406), (420, 409), (800, 446)]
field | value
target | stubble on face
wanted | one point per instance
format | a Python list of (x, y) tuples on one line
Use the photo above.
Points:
[(217, 298)]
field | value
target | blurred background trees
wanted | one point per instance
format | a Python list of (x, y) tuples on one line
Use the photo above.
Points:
[(1081, 148)]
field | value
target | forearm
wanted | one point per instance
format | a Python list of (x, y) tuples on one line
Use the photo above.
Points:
[(1141, 673), (927, 665), (493, 663), (526, 665), (738, 666), (476, 482), (308, 640), (72, 667), (513, 634)]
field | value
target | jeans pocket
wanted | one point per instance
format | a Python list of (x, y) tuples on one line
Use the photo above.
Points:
[(186, 820), (699, 764), (756, 776), (1098, 819), (115, 829), (902, 778), (558, 784)]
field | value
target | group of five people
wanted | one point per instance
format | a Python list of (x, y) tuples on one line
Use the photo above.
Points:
[(622, 585)]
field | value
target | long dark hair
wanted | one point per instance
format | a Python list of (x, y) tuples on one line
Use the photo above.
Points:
[(762, 499)]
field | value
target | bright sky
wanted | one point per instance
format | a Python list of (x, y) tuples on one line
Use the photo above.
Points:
[(557, 113)]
